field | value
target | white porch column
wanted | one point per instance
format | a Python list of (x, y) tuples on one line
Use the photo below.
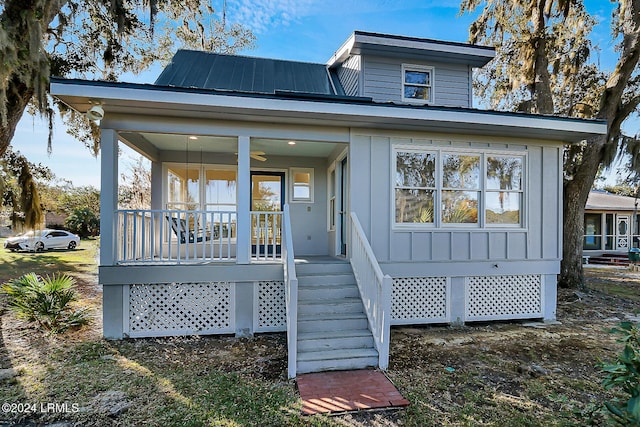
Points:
[(108, 195), (156, 185), (243, 232)]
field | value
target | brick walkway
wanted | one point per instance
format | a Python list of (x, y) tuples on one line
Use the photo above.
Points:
[(343, 391)]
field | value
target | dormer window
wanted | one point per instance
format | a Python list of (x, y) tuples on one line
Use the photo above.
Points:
[(417, 84)]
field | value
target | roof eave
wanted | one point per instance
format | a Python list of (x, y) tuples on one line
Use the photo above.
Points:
[(139, 99)]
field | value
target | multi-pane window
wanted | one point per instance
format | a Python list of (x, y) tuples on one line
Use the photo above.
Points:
[(417, 83), (460, 188), (504, 190), (220, 189), (302, 185), (444, 188)]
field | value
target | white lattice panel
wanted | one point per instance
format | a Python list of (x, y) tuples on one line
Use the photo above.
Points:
[(503, 297), (419, 300), (181, 309), (270, 311)]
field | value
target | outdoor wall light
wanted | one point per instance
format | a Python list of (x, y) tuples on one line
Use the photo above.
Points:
[(96, 112)]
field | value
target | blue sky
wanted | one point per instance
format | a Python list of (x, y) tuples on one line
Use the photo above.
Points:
[(306, 30)]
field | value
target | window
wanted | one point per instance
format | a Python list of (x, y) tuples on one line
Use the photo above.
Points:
[(504, 190), (592, 231), (415, 187), (460, 188), (184, 188), (417, 83), (302, 185), (442, 188), (220, 189), (331, 185)]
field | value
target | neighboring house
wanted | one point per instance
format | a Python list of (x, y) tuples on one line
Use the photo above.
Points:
[(610, 224), (447, 214)]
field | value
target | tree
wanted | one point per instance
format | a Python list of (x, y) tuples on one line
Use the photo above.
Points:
[(135, 190), (100, 38), (543, 65), (83, 222)]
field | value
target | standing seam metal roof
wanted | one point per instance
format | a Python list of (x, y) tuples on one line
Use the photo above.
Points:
[(205, 70)]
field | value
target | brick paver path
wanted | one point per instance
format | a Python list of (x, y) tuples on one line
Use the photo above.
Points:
[(343, 391)]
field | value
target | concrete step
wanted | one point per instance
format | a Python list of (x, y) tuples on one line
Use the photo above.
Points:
[(322, 292), (339, 267), (331, 360), (326, 279), (334, 340), (330, 306), (331, 322)]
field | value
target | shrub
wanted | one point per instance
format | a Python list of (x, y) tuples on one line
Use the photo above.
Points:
[(83, 222), (624, 375), (46, 301)]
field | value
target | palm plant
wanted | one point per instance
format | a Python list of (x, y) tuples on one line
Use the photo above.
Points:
[(46, 301)]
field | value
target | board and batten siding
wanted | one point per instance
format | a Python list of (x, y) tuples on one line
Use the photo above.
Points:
[(349, 75), (382, 81), (539, 239)]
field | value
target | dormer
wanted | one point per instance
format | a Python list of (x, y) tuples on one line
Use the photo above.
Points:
[(408, 70)]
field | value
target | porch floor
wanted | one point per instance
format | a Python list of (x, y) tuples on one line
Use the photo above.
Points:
[(344, 391)]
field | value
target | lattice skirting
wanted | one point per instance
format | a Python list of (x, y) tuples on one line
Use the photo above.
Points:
[(269, 312), (167, 309), (503, 297), (420, 300)]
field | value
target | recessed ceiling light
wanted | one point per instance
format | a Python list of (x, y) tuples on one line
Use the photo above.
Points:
[(193, 137), (291, 143)]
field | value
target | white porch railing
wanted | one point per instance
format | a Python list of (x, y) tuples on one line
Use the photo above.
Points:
[(291, 292), (266, 235), (174, 236), (375, 290)]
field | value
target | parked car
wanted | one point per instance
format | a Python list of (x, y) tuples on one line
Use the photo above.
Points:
[(39, 240)]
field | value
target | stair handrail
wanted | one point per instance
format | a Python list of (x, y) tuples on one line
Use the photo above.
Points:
[(375, 289), (291, 292)]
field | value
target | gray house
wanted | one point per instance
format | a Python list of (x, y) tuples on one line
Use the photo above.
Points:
[(611, 224), (330, 201)]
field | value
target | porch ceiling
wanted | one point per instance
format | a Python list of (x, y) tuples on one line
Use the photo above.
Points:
[(221, 144)]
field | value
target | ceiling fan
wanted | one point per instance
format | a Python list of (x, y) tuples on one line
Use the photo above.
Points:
[(257, 155)]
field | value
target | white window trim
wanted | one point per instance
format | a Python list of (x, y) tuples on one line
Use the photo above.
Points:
[(482, 224), (431, 86), (292, 198)]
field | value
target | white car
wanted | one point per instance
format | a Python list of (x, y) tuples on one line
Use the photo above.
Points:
[(40, 240)]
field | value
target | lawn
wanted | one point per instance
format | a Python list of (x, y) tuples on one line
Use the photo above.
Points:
[(483, 374)]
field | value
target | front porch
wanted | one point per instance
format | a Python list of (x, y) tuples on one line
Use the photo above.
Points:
[(188, 236)]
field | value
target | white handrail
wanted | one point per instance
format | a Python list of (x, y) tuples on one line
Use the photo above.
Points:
[(291, 292), (266, 234), (375, 290)]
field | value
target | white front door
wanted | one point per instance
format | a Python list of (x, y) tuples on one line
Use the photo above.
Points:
[(622, 232)]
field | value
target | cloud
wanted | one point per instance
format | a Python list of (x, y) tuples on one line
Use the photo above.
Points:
[(262, 15)]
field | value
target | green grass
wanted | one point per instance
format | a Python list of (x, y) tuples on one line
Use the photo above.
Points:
[(80, 260)]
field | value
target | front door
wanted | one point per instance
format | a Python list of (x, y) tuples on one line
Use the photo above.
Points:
[(622, 232), (267, 204)]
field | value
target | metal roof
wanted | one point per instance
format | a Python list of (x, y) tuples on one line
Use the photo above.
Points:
[(205, 70)]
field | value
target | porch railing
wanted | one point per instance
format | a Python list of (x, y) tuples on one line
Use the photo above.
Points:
[(175, 236), (291, 293), (375, 290), (266, 235)]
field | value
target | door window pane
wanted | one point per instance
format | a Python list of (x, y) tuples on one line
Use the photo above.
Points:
[(266, 192), (592, 231), (184, 188), (220, 189)]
